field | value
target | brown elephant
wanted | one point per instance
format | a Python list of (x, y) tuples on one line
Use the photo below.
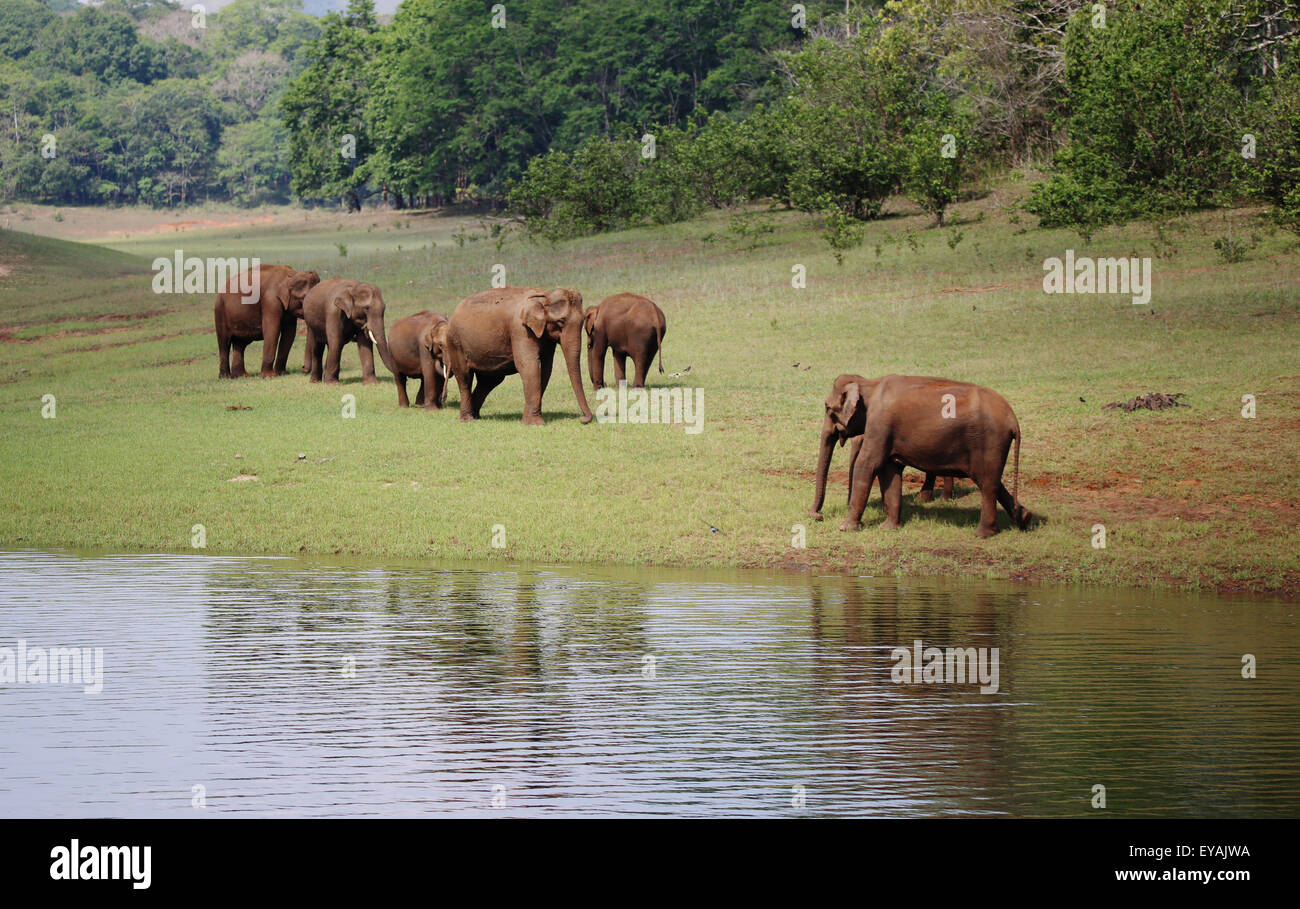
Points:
[(631, 326), (411, 343), (951, 429), (496, 333), (341, 310), (271, 319), (847, 424)]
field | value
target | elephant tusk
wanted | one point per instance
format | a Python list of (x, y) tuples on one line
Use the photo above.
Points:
[(371, 334)]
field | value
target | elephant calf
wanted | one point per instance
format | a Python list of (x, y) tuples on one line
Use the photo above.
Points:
[(416, 356), (338, 311), (952, 429), (845, 420), (631, 326)]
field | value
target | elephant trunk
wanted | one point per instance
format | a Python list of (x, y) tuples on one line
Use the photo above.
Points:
[(375, 328), (571, 344), (829, 435)]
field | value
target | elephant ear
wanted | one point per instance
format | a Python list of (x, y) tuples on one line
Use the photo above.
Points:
[(434, 337), (346, 302), (535, 314), (299, 284), (589, 320), (849, 403), (363, 295)]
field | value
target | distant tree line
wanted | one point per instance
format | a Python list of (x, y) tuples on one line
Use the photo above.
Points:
[(590, 115)]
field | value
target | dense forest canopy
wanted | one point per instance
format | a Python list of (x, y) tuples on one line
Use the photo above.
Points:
[(589, 115)]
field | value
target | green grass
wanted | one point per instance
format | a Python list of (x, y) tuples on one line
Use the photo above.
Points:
[(145, 445)]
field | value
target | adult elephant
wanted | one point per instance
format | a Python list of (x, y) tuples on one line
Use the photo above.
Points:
[(630, 325), (952, 429), (497, 333), (341, 310), (846, 418), (272, 318), (416, 356)]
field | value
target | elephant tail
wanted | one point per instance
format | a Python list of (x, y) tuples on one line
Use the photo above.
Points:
[(659, 342)]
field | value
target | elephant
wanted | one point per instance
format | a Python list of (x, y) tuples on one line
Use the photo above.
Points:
[(847, 425), (495, 333), (411, 344), (341, 310), (631, 326), (272, 319), (948, 428)]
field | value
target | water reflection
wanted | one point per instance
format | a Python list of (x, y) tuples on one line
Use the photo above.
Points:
[(309, 688)]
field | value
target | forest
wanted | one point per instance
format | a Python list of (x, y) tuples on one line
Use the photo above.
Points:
[(581, 116)]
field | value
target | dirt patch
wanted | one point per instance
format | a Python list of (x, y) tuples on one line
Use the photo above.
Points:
[(243, 478)]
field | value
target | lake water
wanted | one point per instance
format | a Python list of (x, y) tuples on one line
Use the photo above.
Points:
[(301, 688)]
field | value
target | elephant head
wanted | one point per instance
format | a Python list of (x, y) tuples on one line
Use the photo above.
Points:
[(290, 294), (363, 305), (589, 323), (557, 316), (846, 417), (434, 340)]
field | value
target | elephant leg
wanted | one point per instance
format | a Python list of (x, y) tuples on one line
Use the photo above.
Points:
[(333, 356), (946, 494), (988, 487), (530, 370), (419, 395), (891, 492), (402, 400), (223, 348), (1019, 514), (620, 366), (464, 382), (317, 355), (366, 351), (271, 318), (596, 361), (641, 361), (927, 489), (862, 478), (546, 364), (237, 358), (855, 447), (483, 385), (288, 332)]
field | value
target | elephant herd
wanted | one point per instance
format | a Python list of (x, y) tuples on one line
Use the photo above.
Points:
[(942, 427), (490, 335)]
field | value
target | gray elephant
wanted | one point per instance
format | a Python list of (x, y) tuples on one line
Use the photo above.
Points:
[(496, 333), (416, 356), (630, 325), (338, 311)]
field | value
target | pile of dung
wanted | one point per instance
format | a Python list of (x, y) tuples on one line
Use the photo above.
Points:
[(1154, 400)]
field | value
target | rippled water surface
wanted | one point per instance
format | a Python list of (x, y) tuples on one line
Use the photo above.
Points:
[(302, 688)]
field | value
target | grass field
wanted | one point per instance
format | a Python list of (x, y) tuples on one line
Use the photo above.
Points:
[(146, 443)]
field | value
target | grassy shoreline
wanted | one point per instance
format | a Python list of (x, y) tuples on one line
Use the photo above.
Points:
[(144, 443)]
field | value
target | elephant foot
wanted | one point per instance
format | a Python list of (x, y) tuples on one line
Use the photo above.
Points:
[(467, 418), (925, 495), (331, 381), (889, 524), (850, 524), (1023, 520), (369, 380), (533, 419), (586, 418), (815, 515), (267, 374), (986, 532)]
